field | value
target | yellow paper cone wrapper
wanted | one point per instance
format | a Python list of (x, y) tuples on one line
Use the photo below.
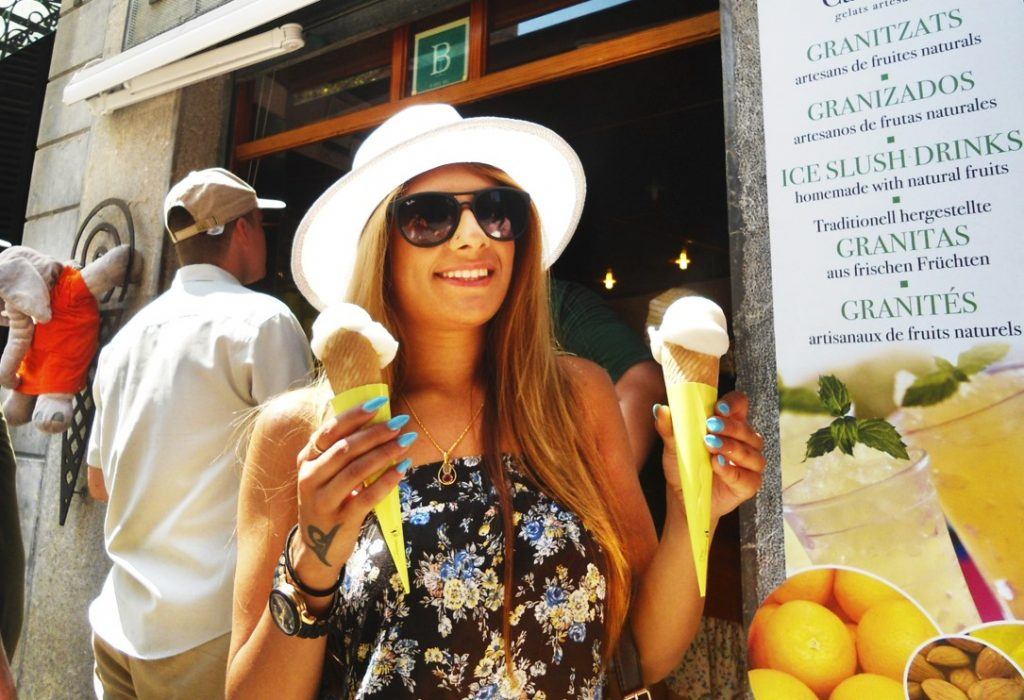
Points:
[(388, 511), (691, 402)]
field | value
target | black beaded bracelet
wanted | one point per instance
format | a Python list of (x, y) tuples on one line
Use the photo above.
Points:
[(308, 590)]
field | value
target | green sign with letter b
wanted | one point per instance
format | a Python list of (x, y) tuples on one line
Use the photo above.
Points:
[(441, 56)]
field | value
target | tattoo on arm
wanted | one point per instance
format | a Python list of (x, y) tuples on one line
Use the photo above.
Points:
[(320, 542)]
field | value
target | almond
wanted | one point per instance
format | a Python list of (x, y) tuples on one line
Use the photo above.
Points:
[(914, 691), (936, 689), (963, 678), (968, 645), (992, 664), (948, 656), (921, 670), (996, 689)]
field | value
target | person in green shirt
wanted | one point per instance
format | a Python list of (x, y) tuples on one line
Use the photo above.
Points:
[(587, 327)]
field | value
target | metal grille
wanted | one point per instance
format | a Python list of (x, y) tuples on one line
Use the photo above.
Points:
[(147, 18), (24, 21), (103, 236)]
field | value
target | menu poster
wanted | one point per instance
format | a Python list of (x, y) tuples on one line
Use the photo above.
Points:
[(894, 135)]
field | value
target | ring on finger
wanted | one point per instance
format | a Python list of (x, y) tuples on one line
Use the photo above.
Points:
[(352, 494), (314, 450)]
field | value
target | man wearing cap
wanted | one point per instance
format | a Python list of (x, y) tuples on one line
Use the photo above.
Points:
[(173, 389)]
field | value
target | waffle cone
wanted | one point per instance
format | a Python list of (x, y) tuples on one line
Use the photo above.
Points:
[(350, 361), (680, 364)]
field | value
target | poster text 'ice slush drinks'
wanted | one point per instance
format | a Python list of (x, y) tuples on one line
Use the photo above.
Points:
[(975, 439)]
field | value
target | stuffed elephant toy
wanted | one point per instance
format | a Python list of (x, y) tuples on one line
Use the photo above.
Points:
[(53, 313)]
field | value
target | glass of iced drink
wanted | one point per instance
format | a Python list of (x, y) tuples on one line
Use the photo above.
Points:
[(794, 428), (793, 431), (875, 512), (975, 439)]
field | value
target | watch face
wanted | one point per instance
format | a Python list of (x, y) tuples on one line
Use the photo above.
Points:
[(284, 613)]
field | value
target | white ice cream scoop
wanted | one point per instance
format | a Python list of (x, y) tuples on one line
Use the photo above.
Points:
[(351, 317), (695, 323)]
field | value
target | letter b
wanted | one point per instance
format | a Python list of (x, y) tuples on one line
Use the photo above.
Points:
[(442, 58)]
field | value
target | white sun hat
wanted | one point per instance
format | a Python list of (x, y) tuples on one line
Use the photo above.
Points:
[(413, 141)]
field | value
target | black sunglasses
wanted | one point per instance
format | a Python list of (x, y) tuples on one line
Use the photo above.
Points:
[(428, 219)]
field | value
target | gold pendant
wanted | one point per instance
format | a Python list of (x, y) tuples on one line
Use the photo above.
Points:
[(446, 474)]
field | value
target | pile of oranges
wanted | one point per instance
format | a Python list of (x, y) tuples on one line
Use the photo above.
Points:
[(834, 634)]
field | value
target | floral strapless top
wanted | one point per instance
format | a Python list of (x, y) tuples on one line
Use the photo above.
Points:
[(444, 639)]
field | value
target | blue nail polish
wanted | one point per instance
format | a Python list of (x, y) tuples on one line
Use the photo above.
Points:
[(716, 424), (655, 410), (404, 465), (721, 459), (375, 403), (713, 441), (398, 422), (723, 408), (407, 439)]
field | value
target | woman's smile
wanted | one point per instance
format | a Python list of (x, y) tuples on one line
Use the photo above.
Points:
[(472, 275)]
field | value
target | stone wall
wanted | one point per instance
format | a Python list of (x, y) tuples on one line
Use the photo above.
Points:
[(763, 554), (133, 154)]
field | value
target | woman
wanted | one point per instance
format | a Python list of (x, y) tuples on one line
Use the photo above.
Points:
[(525, 527)]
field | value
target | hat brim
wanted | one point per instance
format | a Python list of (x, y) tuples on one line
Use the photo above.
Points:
[(538, 159), (269, 203)]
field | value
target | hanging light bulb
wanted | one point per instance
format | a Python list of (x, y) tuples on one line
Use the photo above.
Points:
[(609, 279), (683, 261)]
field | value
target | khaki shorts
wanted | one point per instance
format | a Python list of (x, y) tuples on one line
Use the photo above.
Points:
[(196, 674)]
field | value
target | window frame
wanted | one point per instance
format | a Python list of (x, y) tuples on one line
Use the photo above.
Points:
[(480, 85)]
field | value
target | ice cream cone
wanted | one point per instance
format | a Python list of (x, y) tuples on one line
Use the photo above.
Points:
[(353, 350), (350, 360), (689, 345), (682, 365)]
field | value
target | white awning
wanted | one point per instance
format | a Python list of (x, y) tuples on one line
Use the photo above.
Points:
[(200, 33), (199, 67)]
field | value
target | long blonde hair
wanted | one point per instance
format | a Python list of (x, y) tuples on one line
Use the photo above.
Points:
[(530, 397)]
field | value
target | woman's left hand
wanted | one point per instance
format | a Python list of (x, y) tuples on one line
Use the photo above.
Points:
[(735, 448)]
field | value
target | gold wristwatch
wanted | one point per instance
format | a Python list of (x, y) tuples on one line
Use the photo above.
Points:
[(288, 607)]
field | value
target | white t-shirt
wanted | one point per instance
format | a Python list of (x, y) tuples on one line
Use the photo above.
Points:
[(172, 391)]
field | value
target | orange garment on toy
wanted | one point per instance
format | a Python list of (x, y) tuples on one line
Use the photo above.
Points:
[(58, 361)]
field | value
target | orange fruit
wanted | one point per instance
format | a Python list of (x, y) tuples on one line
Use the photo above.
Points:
[(808, 641), (758, 655), (867, 685), (838, 610), (887, 635), (852, 629), (814, 585), (856, 592), (776, 685)]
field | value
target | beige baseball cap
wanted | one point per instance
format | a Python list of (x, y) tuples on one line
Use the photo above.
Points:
[(212, 197)]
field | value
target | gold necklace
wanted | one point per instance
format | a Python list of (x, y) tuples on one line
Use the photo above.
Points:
[(446, 473)]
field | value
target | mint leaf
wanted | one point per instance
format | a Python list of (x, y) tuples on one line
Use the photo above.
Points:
[(844, 433), (800, 400), (941, 384), (833, 395), (981, 356), (820, 443), (882, 436), (952, 370), (930, 389)]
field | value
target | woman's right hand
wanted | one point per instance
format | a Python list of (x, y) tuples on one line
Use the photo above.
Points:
[(339, 458)]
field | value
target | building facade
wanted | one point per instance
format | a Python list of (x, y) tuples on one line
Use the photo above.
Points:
[(636, 88)]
